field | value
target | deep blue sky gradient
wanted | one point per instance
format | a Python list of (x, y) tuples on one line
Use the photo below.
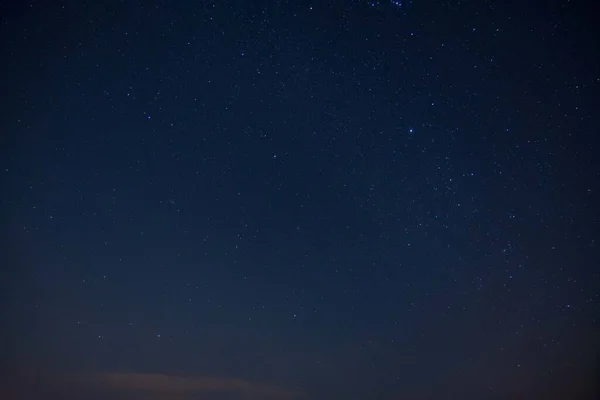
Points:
[(339, 200)]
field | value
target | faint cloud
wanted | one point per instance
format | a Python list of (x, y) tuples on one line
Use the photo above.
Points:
[(162, 384)]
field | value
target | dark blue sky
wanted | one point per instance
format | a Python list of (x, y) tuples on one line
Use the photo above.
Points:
[(277, 199)]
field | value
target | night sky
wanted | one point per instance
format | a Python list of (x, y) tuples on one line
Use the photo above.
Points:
[(299, 200)]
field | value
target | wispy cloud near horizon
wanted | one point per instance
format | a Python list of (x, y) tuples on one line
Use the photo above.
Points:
[(155, 383), (133, 384)]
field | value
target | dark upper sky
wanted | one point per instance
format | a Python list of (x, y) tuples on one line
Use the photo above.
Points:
[(279, 199)]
